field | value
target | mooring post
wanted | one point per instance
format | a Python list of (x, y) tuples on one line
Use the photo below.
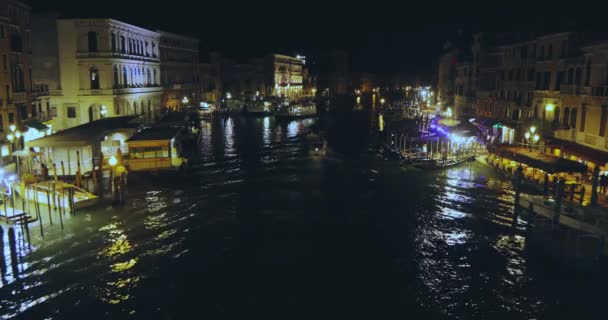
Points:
[(558, 201), (12, 244), (48, 203), (37, 209), (2, 257)]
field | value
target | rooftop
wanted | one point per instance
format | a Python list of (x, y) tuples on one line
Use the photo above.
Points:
[(86, 133), (155, 133)]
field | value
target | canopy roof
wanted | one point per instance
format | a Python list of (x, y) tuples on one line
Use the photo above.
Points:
[(587, 153), (155, 133), (543, 161), (85, 134)]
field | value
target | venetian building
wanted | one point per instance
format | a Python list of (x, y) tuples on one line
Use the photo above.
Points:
[(555, 54), (464, 99), (284, 76), (16, 71), (179, 57), (515, 85), (107, 68), (584, 98)]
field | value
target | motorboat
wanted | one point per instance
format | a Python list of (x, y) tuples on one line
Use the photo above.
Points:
[(318, 146), (302, 108), (206, 110), (258, 107), (58, 190), (232, 106)]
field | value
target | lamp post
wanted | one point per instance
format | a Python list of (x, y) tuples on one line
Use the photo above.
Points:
[(527, 136), (531, 137), (112, 162)]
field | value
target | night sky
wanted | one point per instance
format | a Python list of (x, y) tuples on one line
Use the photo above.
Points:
[(401, 37)]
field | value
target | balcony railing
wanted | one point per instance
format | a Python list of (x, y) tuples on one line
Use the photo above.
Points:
[(136, 90), (599, 91), (120, 55), (575, 89), (19, 96)]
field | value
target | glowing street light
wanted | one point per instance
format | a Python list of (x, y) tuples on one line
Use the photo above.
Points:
[(10, 138), (12, 127), (113, 161), (532, 129)]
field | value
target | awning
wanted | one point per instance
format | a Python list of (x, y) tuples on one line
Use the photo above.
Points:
[(586, 153), (545, 162)]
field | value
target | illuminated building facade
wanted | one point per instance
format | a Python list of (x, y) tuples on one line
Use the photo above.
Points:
[(556, 82), (447, 76), (284, 76), (464, 99), (179, 57), (107, 68), (16, 54)]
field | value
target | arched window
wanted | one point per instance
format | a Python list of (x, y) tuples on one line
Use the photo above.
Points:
[(113, 44), (556, 115), (134, 107), (573, 118), (123, 44), (583, 118), (124, 77), (577, 77), (566, 117), (116, 78), (131, 77), (570, 76), (92, 37), (155, 78), (588, 74), (550, 52), (94, 76), (148, 77)]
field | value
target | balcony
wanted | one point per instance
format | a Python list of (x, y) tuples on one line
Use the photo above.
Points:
[(136, 90), (93, 92), (574, 89), (583, 138), (118, 55), (599, 91), (19, 97)]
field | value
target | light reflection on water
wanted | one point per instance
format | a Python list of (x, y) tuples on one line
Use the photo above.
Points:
[(285, 229)]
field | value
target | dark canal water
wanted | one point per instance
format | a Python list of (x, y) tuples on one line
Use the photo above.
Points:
[(259, 229)]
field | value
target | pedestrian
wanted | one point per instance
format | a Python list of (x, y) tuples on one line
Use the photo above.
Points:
[(582, 194), (603, 183)]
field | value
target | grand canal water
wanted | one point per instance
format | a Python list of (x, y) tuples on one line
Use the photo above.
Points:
[(260, 229)]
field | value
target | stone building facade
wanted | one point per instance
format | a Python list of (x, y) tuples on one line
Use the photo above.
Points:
[(107, 68), (16, 69), (179, 58)]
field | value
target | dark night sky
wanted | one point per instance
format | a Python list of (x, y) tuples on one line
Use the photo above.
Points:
[(381, 37)]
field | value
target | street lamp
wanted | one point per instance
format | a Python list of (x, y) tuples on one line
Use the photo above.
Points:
[(112, 162), (531, 137)]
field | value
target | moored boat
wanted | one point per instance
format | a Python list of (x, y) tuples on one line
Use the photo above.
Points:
[(302, 108)]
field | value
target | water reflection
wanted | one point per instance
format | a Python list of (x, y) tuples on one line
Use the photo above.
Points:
[(121, 281), (257, 220), (266, 133)]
